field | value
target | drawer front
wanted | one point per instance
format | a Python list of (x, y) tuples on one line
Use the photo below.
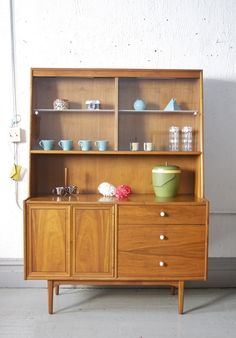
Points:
[(162, 214), (162, 251)]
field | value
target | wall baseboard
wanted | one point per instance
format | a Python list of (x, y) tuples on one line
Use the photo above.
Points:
[(221, 273)]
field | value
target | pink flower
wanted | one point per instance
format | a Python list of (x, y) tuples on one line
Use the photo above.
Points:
[(122, 191)]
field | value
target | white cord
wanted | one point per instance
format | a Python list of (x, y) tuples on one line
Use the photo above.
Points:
[(16, 118)]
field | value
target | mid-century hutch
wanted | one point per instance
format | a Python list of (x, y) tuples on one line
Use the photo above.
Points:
[(86, 238)]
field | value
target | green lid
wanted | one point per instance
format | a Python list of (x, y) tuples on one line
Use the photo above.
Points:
[(166, 169)]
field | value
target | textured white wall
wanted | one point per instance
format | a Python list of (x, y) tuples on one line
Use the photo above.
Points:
[(125, 34)]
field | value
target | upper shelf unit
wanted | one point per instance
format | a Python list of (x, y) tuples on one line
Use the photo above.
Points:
[(116, 120)]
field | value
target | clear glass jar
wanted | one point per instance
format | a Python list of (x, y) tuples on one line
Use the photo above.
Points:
[(174, 138), (187, 138)]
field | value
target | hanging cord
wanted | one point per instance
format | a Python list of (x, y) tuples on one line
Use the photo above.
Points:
[(16, 117)]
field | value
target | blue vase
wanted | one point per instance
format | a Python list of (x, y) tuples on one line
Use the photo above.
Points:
[(139, 104)]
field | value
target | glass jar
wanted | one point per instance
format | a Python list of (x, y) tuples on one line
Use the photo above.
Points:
[(187, 138), (174, 138)]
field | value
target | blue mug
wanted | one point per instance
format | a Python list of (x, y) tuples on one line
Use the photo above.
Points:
[(65, 144), (47, 144), (85, 144), (101, 145)]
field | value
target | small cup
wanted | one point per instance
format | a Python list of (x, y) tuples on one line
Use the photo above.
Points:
[(65, 144), (47, 144), (148, 146), (134, 146), (59, 191), (85, 144), (101, 145)]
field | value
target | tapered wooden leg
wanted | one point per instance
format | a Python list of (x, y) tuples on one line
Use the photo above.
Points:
[(172, 290), (50, 296), (56, 289), (181, 297)]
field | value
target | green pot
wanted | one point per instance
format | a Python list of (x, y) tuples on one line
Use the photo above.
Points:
[(165, 180)]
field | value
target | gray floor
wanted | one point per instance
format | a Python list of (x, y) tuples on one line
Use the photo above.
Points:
[(113, 313)]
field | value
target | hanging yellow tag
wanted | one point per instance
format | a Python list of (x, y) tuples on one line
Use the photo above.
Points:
[(15, 172)]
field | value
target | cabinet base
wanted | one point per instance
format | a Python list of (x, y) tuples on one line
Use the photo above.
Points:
[(52, 284)]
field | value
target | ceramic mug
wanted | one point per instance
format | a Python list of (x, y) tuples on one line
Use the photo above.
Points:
[(47, 144), (148, 146), (65, 144), (85, 144), (134, 146), (101, 145)]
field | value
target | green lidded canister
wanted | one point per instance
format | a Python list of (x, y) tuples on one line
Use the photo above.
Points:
[(165, 180)]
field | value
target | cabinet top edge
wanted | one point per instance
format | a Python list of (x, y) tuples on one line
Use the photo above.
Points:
[(116, 72), (133, 199)]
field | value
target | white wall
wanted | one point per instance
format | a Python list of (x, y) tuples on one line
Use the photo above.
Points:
[(125, 34)]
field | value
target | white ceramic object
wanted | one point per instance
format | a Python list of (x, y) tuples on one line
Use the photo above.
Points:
[(107, 189), (61, 104)]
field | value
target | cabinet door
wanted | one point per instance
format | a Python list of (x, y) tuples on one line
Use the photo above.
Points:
[(47, 241), (93, 242)]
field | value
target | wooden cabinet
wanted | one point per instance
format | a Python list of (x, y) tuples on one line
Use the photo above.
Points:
[(58, 237), (88, 239)]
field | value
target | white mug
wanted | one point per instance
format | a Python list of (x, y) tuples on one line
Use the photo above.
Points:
[(148, 146), (134, 146)]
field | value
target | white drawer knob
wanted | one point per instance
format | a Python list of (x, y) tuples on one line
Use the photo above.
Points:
[(162, 264), (162, 237), (162, 213)]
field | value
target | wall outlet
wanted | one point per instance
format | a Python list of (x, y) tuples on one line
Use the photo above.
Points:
[(15, 134)]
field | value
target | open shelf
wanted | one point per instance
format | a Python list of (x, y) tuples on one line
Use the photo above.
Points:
[(116, 152)]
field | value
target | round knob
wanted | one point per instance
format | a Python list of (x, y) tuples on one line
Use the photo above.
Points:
[(162, 263), (162, 213), (162, 237)]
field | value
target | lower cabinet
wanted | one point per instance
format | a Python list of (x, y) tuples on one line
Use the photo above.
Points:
[(69, 242), (115, 243)]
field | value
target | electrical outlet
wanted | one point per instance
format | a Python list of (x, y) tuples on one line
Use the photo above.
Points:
[(15, 134)]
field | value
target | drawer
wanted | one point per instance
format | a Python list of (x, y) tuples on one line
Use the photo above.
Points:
[(162, 214), (162, 251), (174, 268)]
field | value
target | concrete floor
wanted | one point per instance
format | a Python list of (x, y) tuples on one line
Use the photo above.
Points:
[(113, 313)]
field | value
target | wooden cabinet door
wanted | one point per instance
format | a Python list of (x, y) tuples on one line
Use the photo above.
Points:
[(47, 241), (93, 242)]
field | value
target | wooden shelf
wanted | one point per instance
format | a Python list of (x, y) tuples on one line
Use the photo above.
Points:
[(116, 152)]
